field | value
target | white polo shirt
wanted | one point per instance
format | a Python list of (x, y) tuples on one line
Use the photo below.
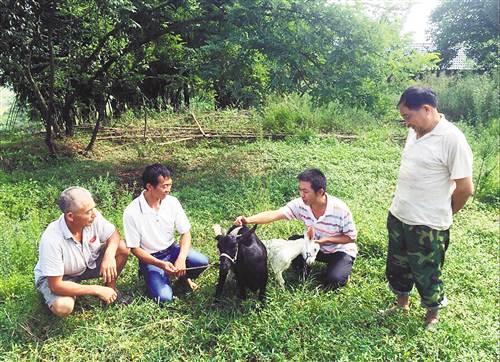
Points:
[(61, 255), (153, 230), (429, 166), (337, 220)]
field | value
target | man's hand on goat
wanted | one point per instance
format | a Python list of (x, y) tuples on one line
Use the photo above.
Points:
[(240, 220), (322, 241)]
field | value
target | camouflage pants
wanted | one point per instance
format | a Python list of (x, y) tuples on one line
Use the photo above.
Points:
[(416, 256)]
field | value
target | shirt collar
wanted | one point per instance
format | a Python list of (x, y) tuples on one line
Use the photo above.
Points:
[(329, 205), (67, 234), (441, 127), (144, 206)]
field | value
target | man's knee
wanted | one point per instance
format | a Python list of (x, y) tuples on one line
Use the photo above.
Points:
[(162, 295), (336, 280), (63, 306)]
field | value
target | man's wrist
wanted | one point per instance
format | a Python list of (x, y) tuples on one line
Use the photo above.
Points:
[(181, 258)]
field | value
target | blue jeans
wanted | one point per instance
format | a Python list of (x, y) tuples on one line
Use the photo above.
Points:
[(158, 281)]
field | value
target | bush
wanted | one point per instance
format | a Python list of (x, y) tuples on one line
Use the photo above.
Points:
[(289, 114), (335, 116), (486, 160), (293, 114), (473, 98)]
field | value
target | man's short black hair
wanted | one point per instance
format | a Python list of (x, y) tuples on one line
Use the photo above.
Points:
[(416, 97), (152, 172), (315, 177)]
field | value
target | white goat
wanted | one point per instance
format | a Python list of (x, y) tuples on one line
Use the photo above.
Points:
[(281, 252)]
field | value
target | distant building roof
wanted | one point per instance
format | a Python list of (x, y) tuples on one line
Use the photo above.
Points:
[(460, 62)]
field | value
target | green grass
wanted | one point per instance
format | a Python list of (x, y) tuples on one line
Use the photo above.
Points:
[(216, 182)]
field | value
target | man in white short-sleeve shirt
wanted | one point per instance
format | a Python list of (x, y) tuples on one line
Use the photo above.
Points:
[(331, 220), (80, 244), (434, 182), (150, 222)]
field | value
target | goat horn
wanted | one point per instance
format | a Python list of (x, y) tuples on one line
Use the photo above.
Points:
[(217, 229)]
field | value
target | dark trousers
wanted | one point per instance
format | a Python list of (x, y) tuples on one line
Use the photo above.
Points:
[(339, 267), (337, 271)]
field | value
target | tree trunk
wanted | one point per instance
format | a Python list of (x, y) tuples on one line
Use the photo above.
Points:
[(186, 94), (49, 139), (69, 121), (101, 111)]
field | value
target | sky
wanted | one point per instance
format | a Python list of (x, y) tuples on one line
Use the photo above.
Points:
[(416, 21)]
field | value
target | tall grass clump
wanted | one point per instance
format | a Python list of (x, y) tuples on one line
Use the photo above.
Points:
[(473, 98), (295, 114), (338, 117), (484, 142), (289, 114)]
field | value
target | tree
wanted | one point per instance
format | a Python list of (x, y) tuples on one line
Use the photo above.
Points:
[(69, 58), (471, 24)]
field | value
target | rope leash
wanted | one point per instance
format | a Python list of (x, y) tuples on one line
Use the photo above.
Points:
[(201, 267), (233, 260)]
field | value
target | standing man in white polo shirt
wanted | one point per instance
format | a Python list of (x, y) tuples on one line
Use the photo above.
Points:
[(330, 218), (150, 223), (80, 245), (434, 182)]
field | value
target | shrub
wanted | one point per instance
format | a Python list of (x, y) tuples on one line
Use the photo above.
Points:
[(289, 114), (293, 114), (336, 116), (473, 98), (486, 160)]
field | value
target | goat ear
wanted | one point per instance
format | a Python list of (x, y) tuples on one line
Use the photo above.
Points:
[(310, 233), (217, 229), (249, 232)]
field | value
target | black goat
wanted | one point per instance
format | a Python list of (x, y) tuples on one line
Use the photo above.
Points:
[(242, 251)]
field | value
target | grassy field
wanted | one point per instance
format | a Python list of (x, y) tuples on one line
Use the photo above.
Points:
[(215, 182)]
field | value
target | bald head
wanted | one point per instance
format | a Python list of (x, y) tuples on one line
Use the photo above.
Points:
[(73, 198)]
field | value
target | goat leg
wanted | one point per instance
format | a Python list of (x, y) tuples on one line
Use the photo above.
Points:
[(220, 284), (279, 278), (262, 295), (242, 293)]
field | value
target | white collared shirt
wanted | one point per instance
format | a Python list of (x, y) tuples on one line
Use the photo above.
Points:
[(429, 166), (153, 230), (337, 220), (61, 255)]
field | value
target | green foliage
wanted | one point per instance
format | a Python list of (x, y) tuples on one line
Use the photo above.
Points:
[(135, 53), (215, 182), (486, 160), (473, 98), (289, 114), (472, 25), (294, 114)]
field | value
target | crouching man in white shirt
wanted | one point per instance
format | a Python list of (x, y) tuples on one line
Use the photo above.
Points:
[(80, 245), (150, 222)]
